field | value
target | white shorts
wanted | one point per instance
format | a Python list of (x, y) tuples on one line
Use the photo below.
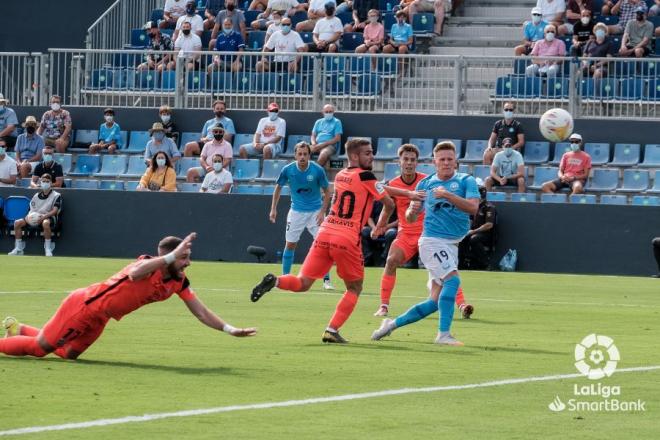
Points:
[(439, 255), (297, 221)]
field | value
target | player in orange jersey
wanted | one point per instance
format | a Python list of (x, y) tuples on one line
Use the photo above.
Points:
[(338, 240), (83, 314), (404, 247)]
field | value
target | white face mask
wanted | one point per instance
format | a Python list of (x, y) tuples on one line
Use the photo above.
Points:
[(508, 114), (2, 151), (536, 19), (373, 19), (272, 116), (585, 20), (160, 162), (48, 157), (165, 118), (109, 119), (45, 186), (600, 34), (575, 147), (55, 106), (217, 166), (508, 151), (549, 36)]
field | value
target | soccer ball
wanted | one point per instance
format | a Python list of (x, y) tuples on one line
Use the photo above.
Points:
[(33, 218), (556, 125)]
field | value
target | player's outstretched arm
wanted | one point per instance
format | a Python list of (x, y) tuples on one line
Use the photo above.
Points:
[(146, 267), (388, 209), (273, 204), (210, 319), (407, 194)]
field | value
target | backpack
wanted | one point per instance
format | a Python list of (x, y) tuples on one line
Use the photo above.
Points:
[(509, 261)]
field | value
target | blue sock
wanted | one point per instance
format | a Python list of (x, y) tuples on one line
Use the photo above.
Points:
[(446, 302), (287, 260), (417, 312)]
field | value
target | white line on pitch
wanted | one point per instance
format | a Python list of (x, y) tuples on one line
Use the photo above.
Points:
[(302, 402)]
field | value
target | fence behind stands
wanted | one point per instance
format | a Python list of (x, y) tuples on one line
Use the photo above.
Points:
[(113, 28)]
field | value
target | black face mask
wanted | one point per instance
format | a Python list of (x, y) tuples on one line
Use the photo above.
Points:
[(31, 130), (186, 31), (219, 114), (217, 136), (640, 17), (231, 7), (329, 11), (190, 11), (482, 193)]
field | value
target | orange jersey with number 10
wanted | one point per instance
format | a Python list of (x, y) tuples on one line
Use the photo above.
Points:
[(402, 204), (352, 202)]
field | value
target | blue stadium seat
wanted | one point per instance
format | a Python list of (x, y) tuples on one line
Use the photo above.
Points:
[(392, 170), (190, 187), (221, 82), (388, 20), (65, 160), (288, 83), (481, 172), (423, 23), (337, 84), (145, 80), (86, 137), (457, 143), (359, 65), (585, 199), (187, 136), (112, 185), (649, 68), (250, 16), (244, 83), (157, 15), (630, 89), (496, 196), (474, 151), (15, 207), (518, 87), (101, 79), (651, 156), (85, 184), (425, 147), (368, 85), (264, 82), (556, 88), (603, 89), (386, 5), (245, 169), (603, 180), (137, 142), (523, 197), (23, 183), (609, 199), (608, 19), (124, 137), (560, 149), (112, 165), (536, 152), (166, 81), (652, 91), (599, 152), (271, 170), (86, 165), (634, 181), (139, 38), (345, 17), (307, 37), (655, 189), (136, 166), (520, 65), (291, 142), (626, 154), (297, 18), (131, 185), (248, 189), (351, 40), (184, 164), (426, 168), (464, 168), (196, 81), (387, 148), (242, 139), (542, 175), (335, 64), (255, 40), (553, 198), (646, 201), (387, 66)]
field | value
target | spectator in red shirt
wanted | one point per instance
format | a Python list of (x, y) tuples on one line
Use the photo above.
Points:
[(573, 169)]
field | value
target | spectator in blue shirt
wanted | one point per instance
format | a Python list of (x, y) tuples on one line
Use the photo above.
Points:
[(401, 36), (109, 134), (228, 41), (219, 109), (159, 142), (532, 32), (29, 146), (8, 123), (326, 135)]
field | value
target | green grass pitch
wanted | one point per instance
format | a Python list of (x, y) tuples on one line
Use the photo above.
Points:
[(160, 359)]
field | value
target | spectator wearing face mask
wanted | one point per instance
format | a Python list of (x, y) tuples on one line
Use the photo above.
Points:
[(508, 168), (165, 116), (160, 142), (8, 167), (532, 32), (213, 7), (575, 12), (327, 32), (401, 36), (228, 41), (374, 36), (553, 11), (504, 128), (8, 123), (237, 19), (315, 12), (55, 126), (582, 33), (109, 134), (275, 25), (361, 11), (219, 109), (159, 176), (191, 16), (158, 41), (627, 11), (550, 46), (218, 181), (217, 146), (47, 204), (268, 138), (285, 7), (326, 135), (600, 47), (29, 146), (48, 166), (637, 38), (284, 40), (573, 169), (186, 44), (172, 11)]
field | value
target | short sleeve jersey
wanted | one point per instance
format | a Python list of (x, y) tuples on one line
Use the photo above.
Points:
[(574, 162), (53, 168), (443, 219), (504, 131), (326, 130), (486, 214), (355, 191), (507, 165), (119, 295), (227, 123), (305, 185), (402, 203)]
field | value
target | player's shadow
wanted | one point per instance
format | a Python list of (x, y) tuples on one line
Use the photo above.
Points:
[(381, 347), (516, 350), (177, 369)]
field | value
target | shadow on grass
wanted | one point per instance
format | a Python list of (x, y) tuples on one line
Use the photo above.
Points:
[(393, 345)]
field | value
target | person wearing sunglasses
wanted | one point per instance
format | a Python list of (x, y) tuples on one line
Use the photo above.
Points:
[(532, 32)]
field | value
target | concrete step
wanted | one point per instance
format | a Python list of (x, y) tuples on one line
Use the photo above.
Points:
[(487, 75), (467, 41), (529, 4), (472, 51), (503, 32), (522, 13), (488, 21)]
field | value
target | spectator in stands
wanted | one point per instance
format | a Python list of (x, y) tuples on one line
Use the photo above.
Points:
[(285, 40), (171, 12), (375, 250), (159, 176), (344, 6), (575, 14), (211, 10), (274, 26), (48, 166), (29, 146), (655, 9), (315, 12), (573, 169), (48, 205), (165, 115), (627, 11), (475, 250), (401, 36), (582, 33), (326, 135), (656, 252), (55, 126), (268, 137), (436, 7), (8, 167), (219, 181), (636, 39), (533, 31), (219, 110), (360, 14), (327, 32), (374, 36), (237, 20), (217, 146), (504, 128), (600, 47), (109, 134), (8, 123), (185, 45), (160, 142), (228, 41), (553, 11), (550, 46), (191, 16), (508, 168), (158, 41), (258, 5), (284, 7)]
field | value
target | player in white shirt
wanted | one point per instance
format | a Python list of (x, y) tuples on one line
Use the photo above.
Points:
[(327, 32), (220, 180), (191, 16), (268, 137), (185, 44), (284, 40)]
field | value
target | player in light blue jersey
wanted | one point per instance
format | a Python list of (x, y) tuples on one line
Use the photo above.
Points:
[(308, 182), (450, 200)]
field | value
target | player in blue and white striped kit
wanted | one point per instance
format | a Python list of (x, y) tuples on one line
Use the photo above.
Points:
[(450, 200), (307, 181)]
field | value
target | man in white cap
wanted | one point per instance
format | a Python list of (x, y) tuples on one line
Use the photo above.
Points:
[(573, 169), (532, 32), (8, 123)]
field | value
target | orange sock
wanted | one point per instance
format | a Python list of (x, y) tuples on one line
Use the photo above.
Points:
[(344, 309), (26, 330), (289, 282), (386, 286), (460, 300), (21, 346)]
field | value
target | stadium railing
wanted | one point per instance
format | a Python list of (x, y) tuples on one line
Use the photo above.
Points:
[(113, 28), (23, 77)]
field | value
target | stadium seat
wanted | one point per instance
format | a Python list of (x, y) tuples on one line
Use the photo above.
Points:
[(359, 65), (196, 81), (368, 84), (166, 81), (245, 169), (655, 189), (422, 23), (136, 166), (425, 147), (560, 149), (297, 18), (387, 66), (625, 154), (481, 172), (387, 148), (464, 168), (189, 187), (187, 136), (603, 180), (588, 199), (609, 199), (388, 20), (646, 201), (425, 168), (101, 79), (603, 89), (16, 207), (630, 89), (139, 38), (242, 139), (248, 189), (131, 185), (523, 197), (137, 142), (291, 142), (542, 175), (556, 88), (553, 198), (85, 184), (536, 152), (250, 16), (634, 181), (652, 91), (599, 152), (392, 170), (65, 160), (145, 80), (23, 183), (496, 196), (271, 170), (157, 15), (112, 165), (86, 165), (345, 17), (474, 151), (351, 40), (518, 87), (84, 138), (184, 164), (651, 155), (307, 37), (386, 5), (112, 185), (608, 19), (337, 84)]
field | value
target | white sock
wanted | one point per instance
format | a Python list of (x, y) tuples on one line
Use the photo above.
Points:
[(19, 244), (47, 244), (330, 329)]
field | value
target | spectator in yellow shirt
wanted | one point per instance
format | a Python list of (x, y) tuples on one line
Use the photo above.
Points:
[(160, 176)]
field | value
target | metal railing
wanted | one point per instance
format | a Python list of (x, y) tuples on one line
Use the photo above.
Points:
[(113, 28), (23, 78)]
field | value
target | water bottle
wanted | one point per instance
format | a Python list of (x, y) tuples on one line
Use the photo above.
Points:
[(239, 173), (279, 256), (389, 7)]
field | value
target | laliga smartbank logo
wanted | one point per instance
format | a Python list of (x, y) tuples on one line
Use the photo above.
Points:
[(596, 357)]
